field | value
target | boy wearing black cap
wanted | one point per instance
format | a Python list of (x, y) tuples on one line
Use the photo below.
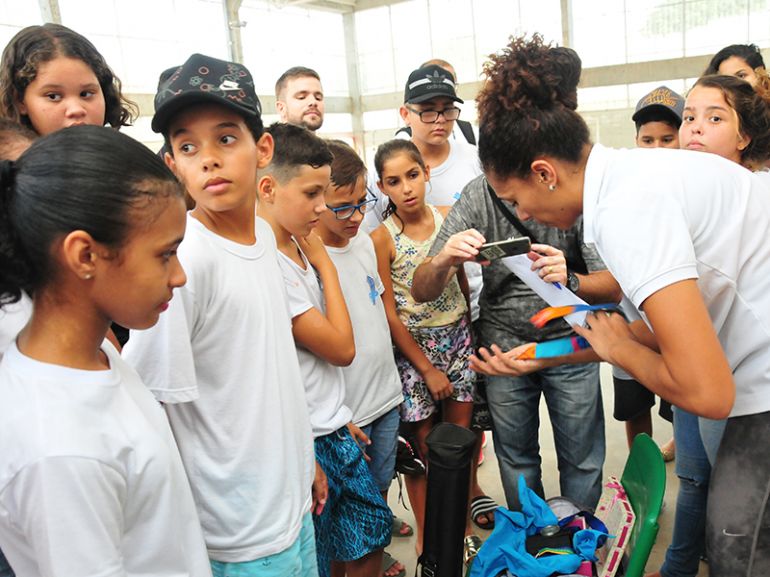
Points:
[(222, 358), (658, 116)]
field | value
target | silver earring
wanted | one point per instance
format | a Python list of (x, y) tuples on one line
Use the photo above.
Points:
[(551, 187)]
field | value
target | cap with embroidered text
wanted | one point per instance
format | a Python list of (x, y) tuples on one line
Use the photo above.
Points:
[(662, 98), (204, 79)]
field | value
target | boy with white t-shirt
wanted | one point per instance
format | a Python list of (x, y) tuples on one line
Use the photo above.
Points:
[(355, 526), (372, 385), (222, 358)]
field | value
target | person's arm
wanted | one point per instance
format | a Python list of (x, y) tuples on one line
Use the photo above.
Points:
[(598, 286), (495, 361), (690, 371), (433, 274), (436, 381), (328, 336)]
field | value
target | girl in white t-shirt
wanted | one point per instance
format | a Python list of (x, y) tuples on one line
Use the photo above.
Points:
[(90, 477), (685, 236)]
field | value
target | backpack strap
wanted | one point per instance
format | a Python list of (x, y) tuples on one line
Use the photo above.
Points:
[(509, 216), (467, 130)]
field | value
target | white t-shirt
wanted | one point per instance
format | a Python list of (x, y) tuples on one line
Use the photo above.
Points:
[(372, 384), (222, 358), (91, 482), (324, 383), (13, 318), (661, 216), (447, 181)]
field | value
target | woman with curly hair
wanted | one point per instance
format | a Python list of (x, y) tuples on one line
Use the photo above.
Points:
[(685, 236)]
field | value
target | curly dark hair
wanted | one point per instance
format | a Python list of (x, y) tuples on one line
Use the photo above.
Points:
[(752, 105), (36, 45), (527, 107)]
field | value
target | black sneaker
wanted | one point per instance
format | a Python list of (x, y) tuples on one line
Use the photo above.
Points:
[(407, 461)]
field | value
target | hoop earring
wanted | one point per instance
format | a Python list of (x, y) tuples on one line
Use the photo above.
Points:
[(430, 188)]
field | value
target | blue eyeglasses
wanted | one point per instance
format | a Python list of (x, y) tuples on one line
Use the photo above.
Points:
[(348, 210)]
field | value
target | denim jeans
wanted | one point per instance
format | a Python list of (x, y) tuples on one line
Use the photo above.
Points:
[(573, 397), (383, 434), (693, 469), (711, 432)]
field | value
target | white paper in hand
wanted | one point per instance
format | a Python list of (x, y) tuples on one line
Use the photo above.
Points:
[(554, 295)]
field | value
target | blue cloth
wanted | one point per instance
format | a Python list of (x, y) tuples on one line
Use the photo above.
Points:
[(505, 549), (573, 396)]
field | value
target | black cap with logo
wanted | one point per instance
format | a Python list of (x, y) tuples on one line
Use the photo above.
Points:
[(204, 79)]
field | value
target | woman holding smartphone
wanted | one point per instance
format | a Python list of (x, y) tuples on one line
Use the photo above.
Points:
[(685, 236)]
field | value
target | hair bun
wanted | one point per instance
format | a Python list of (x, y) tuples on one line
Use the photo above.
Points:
[(567, 67), (528, 75)]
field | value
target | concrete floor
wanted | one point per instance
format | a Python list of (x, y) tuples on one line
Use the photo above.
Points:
[(617, 450)]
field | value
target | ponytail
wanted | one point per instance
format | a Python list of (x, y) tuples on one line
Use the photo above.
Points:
[(14, 273)]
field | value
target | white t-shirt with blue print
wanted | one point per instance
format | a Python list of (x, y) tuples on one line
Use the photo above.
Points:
[(372, 385)]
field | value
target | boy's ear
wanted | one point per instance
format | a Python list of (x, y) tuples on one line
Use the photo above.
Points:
[(78, 250), (266, 188), (170, 162), (404, 114), (265, 149)]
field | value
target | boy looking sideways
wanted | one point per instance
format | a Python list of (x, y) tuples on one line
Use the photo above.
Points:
[(222, 358)]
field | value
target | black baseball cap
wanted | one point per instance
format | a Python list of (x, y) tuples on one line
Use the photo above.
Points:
[(429, 82), (204, 79), (663, 99)]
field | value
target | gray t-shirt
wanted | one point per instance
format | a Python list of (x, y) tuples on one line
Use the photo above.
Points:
[(506, 303)]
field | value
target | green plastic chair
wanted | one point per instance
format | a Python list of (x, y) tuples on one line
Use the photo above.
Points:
[(644, 481)]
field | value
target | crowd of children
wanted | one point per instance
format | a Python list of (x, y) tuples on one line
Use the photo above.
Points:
[(249, 425)]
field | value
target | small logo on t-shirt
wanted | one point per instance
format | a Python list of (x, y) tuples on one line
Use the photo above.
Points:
[(373, 294)]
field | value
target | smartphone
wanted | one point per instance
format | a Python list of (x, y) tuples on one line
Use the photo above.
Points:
[(502, 248)]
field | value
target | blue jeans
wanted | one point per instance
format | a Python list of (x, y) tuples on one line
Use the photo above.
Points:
[(693, 469), (574, 400), (383, 434), (711, 432)]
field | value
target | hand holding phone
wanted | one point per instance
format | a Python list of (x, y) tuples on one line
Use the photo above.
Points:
[(502, 248)]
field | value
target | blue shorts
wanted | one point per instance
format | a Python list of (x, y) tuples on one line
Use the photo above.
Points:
[(356, 520), (383, 434), (299, 560)]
